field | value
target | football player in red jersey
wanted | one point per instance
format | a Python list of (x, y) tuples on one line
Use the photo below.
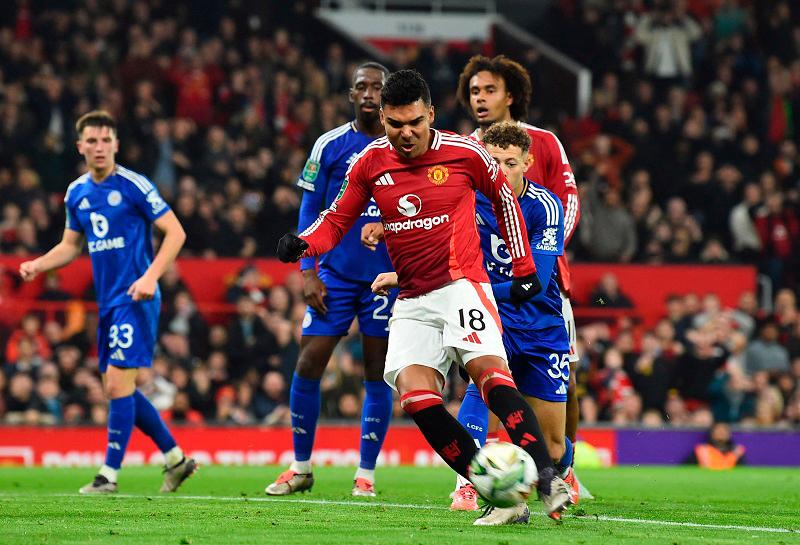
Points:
[(499, 89), (424, 183)]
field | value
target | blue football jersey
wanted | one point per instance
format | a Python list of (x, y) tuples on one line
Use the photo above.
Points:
[(116, 217), (324, 174), (544, 219)]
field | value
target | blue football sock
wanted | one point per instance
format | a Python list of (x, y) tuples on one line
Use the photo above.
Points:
[(304, 402), (149, 421), (566, 460), (474, 415), (375, 419), (121, 415)]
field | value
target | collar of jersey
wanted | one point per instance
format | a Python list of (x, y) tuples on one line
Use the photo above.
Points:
[(110, 174)]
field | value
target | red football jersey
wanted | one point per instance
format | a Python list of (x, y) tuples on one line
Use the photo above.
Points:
[(427, 207), (551, 169)]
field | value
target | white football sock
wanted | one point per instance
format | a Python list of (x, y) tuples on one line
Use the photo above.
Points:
[(109, 473), (301, 467), (173, 456), (368, 474)]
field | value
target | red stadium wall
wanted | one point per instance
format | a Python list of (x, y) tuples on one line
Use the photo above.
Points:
[(646, 285)]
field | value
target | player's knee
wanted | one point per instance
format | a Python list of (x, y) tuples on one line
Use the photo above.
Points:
[(117, 388), (309, 366)]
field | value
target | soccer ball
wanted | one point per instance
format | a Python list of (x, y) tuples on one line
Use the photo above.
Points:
[(503, 474)]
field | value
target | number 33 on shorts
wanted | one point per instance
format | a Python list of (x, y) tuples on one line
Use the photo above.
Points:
[(120, 336)]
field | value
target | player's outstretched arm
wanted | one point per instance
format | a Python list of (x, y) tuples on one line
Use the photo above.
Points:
[(61, 254), (174, 236), (332, 224)]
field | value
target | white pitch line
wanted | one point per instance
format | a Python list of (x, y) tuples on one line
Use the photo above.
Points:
[(586, 518)]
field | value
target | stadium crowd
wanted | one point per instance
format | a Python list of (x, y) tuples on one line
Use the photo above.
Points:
[(688, 154)]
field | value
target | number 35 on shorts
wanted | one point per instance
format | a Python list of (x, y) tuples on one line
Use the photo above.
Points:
[(559, 366)]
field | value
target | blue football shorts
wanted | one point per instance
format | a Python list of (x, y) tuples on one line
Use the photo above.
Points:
[(126, 334), (539, 361), (347, 300)]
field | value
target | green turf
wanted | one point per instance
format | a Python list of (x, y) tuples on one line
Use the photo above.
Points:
[(226, 505)]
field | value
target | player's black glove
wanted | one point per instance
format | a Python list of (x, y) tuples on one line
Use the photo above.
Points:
[(524, 288), (291, 248)]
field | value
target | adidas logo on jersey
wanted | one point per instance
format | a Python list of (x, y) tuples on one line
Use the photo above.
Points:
[(84, 205), (118, 355), (386, 179), (472, 338), (371, 436), (562, 390)]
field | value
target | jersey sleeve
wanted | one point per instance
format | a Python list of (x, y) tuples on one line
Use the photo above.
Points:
[(316, 171), (490, 180), (148, 201), (72, 220), (545, 221), (560, 175), (314, 181), (346, 208)]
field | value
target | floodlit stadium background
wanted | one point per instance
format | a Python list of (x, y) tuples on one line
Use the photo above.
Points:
[(686, 254)]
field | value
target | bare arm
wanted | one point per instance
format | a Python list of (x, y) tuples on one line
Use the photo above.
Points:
[(174, 237), (61, 254)]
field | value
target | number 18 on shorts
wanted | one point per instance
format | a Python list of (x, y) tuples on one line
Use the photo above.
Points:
[(455, 323)]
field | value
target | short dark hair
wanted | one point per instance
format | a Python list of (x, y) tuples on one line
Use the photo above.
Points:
[(371, 65), (95, 118), (404, 87), (507, 134), (516, 78)]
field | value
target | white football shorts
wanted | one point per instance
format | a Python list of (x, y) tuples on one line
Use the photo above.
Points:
[(569, 322), (455, 323)]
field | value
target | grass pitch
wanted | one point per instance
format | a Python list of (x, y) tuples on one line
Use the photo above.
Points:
[(225, 505)]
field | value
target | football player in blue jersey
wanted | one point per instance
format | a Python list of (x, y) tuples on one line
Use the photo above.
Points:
[(339, 292), (535, 339), (114, 208)]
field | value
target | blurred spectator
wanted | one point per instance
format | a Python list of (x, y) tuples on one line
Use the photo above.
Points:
[(181, 411), (23, 406), (27, 347), (765, 353), (250, 343), (182, 319), (746, 239), (778, 228), (720, 452), (270, 402), (607, 294), (667, 34), (606, 229)]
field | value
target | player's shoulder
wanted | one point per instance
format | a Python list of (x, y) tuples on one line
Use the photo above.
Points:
[(545, 138), (330, 140), (459, 144), (75, 186), (133, 180), (542, 203), (372, 155)]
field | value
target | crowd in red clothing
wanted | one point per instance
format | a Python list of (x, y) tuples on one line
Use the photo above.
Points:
[(688, 157)]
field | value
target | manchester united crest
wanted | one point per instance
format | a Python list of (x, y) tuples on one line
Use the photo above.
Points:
[(438, 174)]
